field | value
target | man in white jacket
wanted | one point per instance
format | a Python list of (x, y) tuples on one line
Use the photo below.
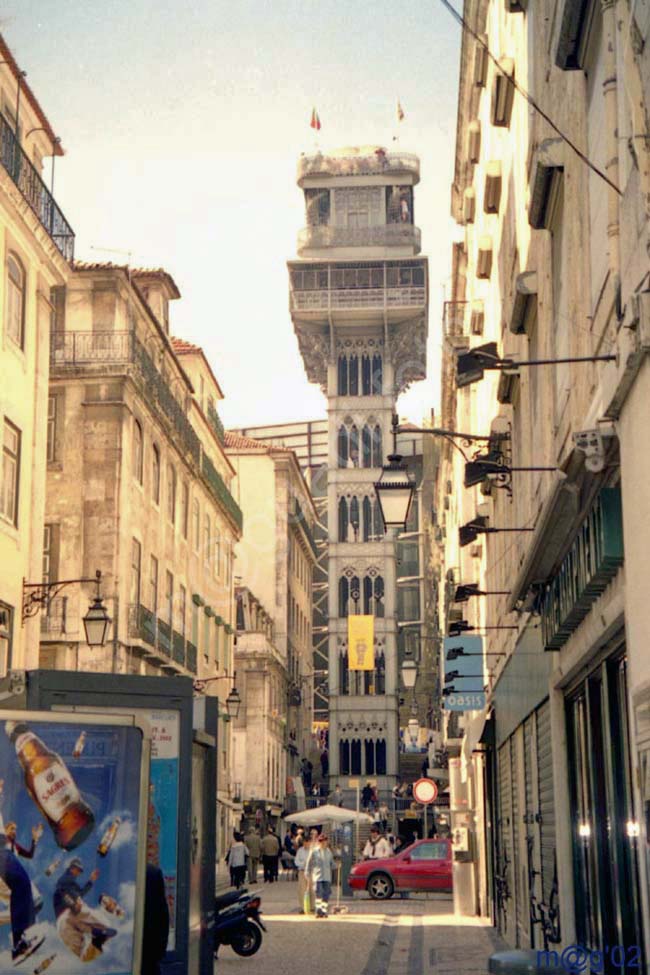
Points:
[(377, 846)]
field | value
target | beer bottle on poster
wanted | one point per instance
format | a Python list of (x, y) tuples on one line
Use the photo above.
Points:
[(44, 965), (52, 787), (52, 867), (108, 838), (79, 745), (110, 904)]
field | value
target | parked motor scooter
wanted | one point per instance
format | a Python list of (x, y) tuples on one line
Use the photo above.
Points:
[(237, 922)]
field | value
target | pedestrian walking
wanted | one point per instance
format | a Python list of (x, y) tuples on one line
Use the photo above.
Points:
[(383, 816), (336, 797), (324, 763), (155, 930), (366, 796), (306, 772), (254, 847), (236, 860), (305, 888), (318, 870), (270, 854)]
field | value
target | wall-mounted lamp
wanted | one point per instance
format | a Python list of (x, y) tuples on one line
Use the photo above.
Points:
[(478, 526), (471, 364)]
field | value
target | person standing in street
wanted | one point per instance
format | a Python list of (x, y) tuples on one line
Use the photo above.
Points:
[(254, 847), (336, 797), (305, 889), (377, 846), (318, 870), (270, 854)]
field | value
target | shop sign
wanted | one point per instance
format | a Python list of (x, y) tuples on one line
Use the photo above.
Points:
[(587, 569), (468, 664)]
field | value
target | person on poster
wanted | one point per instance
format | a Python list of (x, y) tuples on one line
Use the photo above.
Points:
[(12, 842), (79, 929), (21, 899)]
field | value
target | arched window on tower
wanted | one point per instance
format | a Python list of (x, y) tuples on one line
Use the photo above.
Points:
[(367, 596), (354, 446), (343, 446), (377, 378), (343, 375), (370, 756), (354, 516), (378, 593), (366, 447), (353, 368), (377, 458), (367, 519), (344, 590), (344, 756), (380, 756), (378, 527), (355, 757), (366, 386), (343, 520)]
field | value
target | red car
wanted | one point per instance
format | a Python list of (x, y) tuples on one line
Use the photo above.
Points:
[(426, 865)]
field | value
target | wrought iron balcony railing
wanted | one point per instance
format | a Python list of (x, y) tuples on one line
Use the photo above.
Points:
[(216, 483), (170, 644), (190, 657), (178, 648), (34, 190), (215, 420), (389, 235)]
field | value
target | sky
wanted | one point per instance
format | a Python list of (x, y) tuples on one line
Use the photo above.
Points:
[(182, 124)]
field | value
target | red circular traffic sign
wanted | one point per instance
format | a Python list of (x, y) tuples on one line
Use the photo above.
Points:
[(425, 791)]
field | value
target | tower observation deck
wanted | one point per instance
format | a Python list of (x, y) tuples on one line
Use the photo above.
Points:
[(359, 305)]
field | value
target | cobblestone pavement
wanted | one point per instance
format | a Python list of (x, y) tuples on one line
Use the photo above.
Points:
[(415, 936)]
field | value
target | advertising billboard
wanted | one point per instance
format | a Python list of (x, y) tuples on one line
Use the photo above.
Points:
[(69, 845), (464, 662)]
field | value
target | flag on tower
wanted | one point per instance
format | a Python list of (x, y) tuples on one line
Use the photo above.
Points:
[(315, 121), (400, 112)]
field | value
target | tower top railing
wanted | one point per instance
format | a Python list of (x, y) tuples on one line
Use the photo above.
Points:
[(362, 161)]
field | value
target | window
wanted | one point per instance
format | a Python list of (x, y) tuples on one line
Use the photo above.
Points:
[(15, 300), (137, 451), (155, 474), (6, 629), (196, 525), (185, 508), (51, 428), (47, 551), (10, 485), (169, 598), (182, 608), (136, 556), (171, 493), (153, 585), (317, 205), (217, 551), (207, 554)]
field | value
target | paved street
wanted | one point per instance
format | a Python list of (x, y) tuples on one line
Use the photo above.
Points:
[(403, 937)]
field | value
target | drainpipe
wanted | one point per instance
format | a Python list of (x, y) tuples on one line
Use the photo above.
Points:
[(610, 86)]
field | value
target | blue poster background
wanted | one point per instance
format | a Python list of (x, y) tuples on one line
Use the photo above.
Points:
[(107, 774)]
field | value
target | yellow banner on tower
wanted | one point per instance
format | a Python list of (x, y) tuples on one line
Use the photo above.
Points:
[(361, 642)]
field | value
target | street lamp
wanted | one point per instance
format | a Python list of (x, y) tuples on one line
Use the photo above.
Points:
[(395, 488), (472, 363), (233, 701), (96, 622), (409, 673)]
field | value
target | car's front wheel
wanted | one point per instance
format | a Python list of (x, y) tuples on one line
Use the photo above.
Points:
[(380, 886)]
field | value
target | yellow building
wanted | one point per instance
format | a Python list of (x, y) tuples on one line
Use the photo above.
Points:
[(36, 243)]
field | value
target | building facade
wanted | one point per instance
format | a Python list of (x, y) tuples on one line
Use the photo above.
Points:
[(358, 301), (553, 267), (36, 244), (275, 561)]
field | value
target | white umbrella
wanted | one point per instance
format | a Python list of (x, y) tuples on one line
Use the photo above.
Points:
[(327, 814)]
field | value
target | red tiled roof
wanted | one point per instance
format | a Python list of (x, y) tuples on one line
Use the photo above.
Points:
[(236, 441), (181, 347)]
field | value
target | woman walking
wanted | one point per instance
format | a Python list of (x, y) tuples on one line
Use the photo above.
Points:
[(237, 860), (305, 889), (318, 870)]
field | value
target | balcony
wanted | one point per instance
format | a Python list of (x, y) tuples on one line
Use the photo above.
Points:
[(215, 422), (367, 161), (392, 289), (166, 644), (389, 235), (34, 191), (191, 656), (72, 353), (178, 648)]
